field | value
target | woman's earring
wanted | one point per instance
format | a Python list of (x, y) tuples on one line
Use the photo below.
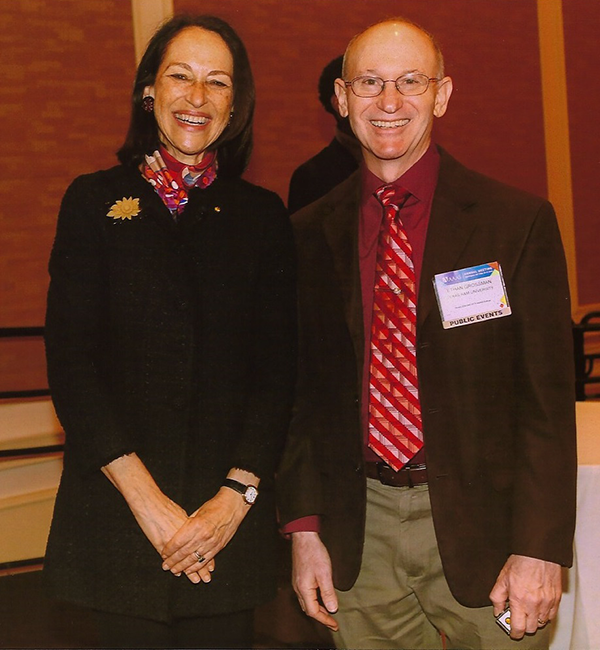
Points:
[(230, 118), (148, 104)]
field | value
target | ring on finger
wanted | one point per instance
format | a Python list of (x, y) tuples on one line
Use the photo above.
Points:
[(199, 557), (541, 622)]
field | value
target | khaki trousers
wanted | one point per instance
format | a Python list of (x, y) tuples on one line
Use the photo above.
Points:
[(401, 599)]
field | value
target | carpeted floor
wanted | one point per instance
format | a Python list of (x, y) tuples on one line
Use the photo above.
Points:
[(29, 619)]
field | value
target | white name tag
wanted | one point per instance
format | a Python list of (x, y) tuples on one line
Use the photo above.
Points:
[(471, 295)]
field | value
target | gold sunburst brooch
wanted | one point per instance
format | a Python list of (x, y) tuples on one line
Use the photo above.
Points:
[(126, 208)]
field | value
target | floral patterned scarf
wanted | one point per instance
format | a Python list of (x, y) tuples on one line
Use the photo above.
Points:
[(172, 179)]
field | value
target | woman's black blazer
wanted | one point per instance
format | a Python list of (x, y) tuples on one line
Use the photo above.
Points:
[(174, 340)]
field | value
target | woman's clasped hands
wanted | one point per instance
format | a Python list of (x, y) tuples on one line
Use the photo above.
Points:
[(209, 529), (186, 543)]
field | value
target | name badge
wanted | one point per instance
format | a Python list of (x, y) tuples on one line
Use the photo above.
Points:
[(471, 295)]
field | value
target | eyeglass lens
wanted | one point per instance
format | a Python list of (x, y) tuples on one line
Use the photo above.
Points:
[(407, 84)]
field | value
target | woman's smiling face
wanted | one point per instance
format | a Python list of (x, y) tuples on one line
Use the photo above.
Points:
[(193, 93)]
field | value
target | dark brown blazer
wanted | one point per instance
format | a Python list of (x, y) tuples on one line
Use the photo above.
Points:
[(175, 341), (497, 396)]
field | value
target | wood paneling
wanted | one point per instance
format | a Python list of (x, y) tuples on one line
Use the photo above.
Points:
[(147, 15), (556, 127)]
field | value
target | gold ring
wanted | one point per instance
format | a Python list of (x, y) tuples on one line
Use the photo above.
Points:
[(541, 623), (201, 559)]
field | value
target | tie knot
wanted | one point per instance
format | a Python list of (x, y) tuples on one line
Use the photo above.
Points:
[(392, 195)]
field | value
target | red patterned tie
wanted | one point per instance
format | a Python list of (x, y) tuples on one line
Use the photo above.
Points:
[(395, 430)]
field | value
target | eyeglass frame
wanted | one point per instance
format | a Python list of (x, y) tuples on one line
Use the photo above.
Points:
[(394, 81)]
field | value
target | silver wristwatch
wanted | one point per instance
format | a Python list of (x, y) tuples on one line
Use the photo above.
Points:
[(249, 492)]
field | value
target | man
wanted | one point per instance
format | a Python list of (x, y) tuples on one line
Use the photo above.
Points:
[(333, 164), (431, 492)]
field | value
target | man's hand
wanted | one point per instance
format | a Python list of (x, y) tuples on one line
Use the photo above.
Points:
[(533, 588), (311, 578)]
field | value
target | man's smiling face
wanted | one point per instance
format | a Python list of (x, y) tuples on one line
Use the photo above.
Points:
[(394, 130)]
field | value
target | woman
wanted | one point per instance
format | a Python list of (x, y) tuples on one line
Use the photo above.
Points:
[(170, 346)]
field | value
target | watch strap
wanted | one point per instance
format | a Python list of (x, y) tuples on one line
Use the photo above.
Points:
[(242, 489), (235, 485)]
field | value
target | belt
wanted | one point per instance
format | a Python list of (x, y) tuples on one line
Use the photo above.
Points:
[(408, 476)]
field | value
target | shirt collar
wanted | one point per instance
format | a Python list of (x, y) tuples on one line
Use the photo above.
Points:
[(420, 180)]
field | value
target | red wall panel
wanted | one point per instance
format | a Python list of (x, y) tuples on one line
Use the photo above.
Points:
[(582, 19), (68, 65), (67, 68), (494, 122)]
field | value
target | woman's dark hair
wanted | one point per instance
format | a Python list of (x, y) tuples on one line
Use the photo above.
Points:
[(235, 143)]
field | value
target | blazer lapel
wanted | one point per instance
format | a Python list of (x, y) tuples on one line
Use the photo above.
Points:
[(340, 228), (451, 225)]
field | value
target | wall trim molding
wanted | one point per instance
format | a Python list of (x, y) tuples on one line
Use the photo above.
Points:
[(580, 311), (146, 16), (556, 129)]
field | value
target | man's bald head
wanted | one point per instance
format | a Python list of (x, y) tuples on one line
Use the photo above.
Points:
[(399, 20)]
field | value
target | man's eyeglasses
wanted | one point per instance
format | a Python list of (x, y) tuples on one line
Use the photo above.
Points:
[(410, 84)]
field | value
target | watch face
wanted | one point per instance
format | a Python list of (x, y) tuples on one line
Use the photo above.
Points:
[(251, 494)]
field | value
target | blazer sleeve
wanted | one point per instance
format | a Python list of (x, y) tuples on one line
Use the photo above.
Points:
[(270, 392), (544, 497), (74, 331)]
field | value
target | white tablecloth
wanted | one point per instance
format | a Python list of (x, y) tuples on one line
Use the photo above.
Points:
[(577, 626)]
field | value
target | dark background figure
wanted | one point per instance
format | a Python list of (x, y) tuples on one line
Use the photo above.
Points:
[(333, 164), (170, 336)]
